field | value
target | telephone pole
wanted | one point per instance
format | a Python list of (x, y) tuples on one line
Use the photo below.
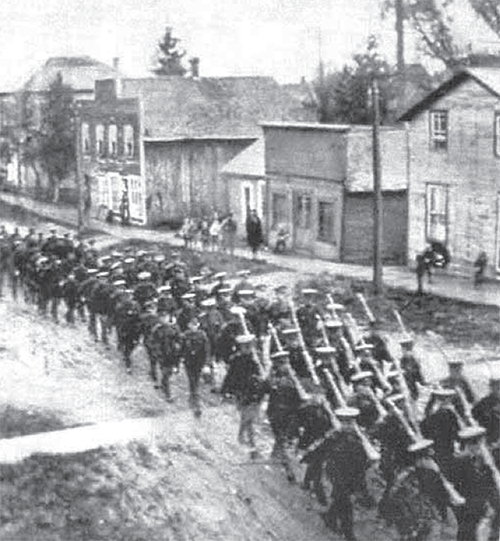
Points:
[(377, 194), (79, 172)]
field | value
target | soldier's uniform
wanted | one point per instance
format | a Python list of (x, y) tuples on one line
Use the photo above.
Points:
[(441, 425), (487, 414), (456, 379), (346, 464), (410, 366), (474, 481), (362, 400), (307, 317), (145, 290), (196, 353)]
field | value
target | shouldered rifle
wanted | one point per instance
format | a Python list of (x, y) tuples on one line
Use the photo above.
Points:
[(240, 312), (307, 357), (366, 308)]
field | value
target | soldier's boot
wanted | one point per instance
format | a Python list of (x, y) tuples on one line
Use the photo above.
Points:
[(166, 388)]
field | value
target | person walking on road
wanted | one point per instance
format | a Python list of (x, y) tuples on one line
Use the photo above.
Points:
[(254, 232)]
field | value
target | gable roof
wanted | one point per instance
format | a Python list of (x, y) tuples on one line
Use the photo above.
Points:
[(249, 162), (79, 72), (183, 107), (489, 78)]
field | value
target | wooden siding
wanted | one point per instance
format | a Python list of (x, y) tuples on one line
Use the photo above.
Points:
[(183, 178), (468, 167), (357, 246)]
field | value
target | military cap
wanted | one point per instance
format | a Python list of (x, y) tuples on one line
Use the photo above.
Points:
[(225, 291), (360, 376), (119, 283), (309, 291), (442, 392), (246, 292), (159, 258), (335, 306), (363, 346), (244, 272), (188, 296), (141, 253), (105, 258), (220, 275), (333, 323), (290, 332), (144, 275), (245, 338), (115, 265), (92, 272), (196, 279), (280, 355), (406, 342), (116, 254), (102, 274), (346, 413), (207, 303), (129, 260), (471, 433), (420, 445), (325, 350), (164, 289), (455, 362)]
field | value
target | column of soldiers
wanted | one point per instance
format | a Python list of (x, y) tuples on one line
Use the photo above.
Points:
[(334, 389)]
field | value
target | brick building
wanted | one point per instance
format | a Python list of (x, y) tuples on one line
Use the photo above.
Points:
[(317, 180), (161, 142), (454, 168)]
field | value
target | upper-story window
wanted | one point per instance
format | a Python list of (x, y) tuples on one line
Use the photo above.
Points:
[(497, 135), (128, 141), (99, 139), (85, 138), (112, 140), (439, 129)]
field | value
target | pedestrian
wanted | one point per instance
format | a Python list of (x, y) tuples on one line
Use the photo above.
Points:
[(254, 232), (215, 231), (420, 271), (229, 228), (480, 266)]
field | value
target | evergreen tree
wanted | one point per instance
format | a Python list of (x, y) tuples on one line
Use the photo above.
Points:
[(169, 56)]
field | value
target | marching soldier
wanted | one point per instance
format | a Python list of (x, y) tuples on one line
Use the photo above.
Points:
[(145, 290), (410, 366), (487, 414), (441, 425), (363, 399), (279, 310), (456, 378), (196, 354), (307, 314), (346, 466), (474, 481)]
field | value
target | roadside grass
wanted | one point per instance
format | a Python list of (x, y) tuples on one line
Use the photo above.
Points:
[(19, 422), (460, 323)]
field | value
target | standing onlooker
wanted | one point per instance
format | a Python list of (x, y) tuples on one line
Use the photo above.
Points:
[(229, 227), (215, 231), (480, 266), (205, 234), (254, 232)]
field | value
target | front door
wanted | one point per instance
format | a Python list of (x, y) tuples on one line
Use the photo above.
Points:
[(302, 221)]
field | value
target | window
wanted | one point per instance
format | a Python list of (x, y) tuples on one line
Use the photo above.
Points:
[(304, 211), (85, 138), (128, 141), (112, 139), (437, 213), (280, 215), (99, 139), (326, 222), (439, 129), (497, 135)]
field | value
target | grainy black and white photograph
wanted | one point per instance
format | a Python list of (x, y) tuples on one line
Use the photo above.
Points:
[(250, 270)]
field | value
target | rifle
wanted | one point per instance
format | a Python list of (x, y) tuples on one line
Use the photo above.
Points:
[(372, 453), (307, 357), (240, 312), (366, 308)]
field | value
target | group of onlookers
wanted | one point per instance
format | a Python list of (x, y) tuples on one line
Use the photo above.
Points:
[(219, 233)]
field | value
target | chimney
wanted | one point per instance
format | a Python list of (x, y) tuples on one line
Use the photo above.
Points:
[(116, 63), (195, 67)]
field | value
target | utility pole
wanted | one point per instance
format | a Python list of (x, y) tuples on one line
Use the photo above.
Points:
[(377, 194), (79, 172)]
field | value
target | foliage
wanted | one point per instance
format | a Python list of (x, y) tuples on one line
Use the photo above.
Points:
[(169, 56), (344, 96), (489, 11), (57, 140), (433, 24)]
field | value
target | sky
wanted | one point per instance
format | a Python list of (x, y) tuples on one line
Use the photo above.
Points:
[(281, 38)]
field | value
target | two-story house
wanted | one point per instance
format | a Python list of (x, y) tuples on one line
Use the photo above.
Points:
[(454, 168), (160, 142)]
